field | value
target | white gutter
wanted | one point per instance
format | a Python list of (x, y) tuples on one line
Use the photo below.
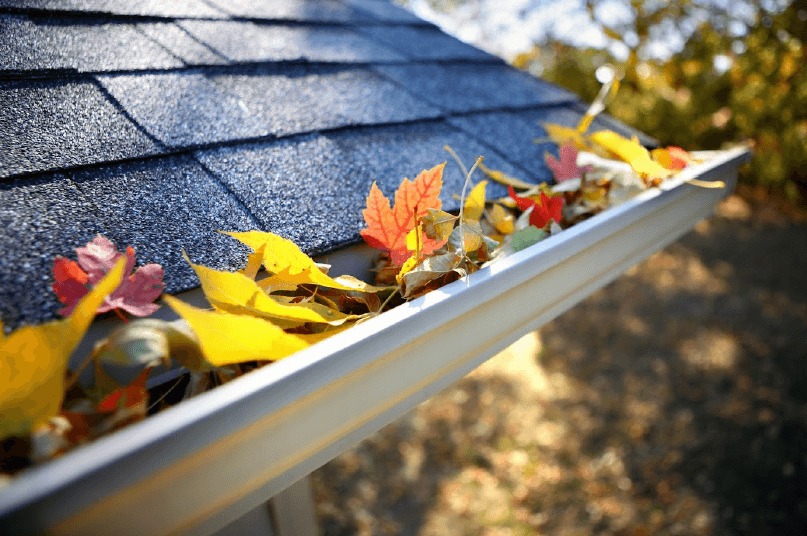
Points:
[(194, 468)]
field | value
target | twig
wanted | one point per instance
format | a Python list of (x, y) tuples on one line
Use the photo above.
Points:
[(165, 394)]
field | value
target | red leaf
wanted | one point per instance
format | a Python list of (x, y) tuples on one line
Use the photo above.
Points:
[(548, 209), (566, 168), (126, 397), (388, 226), (134, 295)]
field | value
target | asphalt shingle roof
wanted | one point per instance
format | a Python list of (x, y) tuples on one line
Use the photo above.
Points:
[(156, 123)]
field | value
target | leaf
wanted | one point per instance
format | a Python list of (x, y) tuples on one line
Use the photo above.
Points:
[(126, 397), (34, 359), (388, 226), (672, 158), (505, 179), (438, 224), (149, 343), (254, 262), (548, 209), (566, 168), (526, 237), (631, 152), (281, 254), (431, 269), (475, 203), (136, 293), (501, 219), (227, 339), (238, 294)]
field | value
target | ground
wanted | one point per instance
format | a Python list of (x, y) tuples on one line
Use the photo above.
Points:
[(673, 401)]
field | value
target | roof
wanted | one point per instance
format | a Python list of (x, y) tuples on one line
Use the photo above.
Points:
[(158, 123)]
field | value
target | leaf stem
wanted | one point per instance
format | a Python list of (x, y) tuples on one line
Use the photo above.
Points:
[(381, 309)]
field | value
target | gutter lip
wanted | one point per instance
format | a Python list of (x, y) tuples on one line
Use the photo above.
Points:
[(161, 440)]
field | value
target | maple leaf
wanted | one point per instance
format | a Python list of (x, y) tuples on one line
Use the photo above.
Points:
[(548, 209), (135, 293), (388, 226), (566, 168), (673, 158)]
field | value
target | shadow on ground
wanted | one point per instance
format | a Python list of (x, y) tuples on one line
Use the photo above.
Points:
[(673, 401)]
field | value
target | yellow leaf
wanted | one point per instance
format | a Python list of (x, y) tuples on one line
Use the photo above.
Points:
[(407, 267), (438, 224), (502, 220), (253, 263), (280, 254), (631, 152), (414, 240), (227, 339), (34, 359), (505, 179), (475, 204), (236, 293)]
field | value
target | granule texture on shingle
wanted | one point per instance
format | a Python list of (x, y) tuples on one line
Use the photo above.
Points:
[(386, 11), (53, 124), (182, 109), (147, 8), (294, 10), (301, 99), (77, 43), (249, 42), (165, 206), (467, 87), (511, 134), (425, 43), (41, 218), (180, 43), (312, 189)]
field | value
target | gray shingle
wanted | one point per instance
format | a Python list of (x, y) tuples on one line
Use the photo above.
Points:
[(425, 43), (305, 99), (386, 11), (296, 10), (470, 87), (248, 42), (79, 44), (312, 189), (180, 43), (184, 108), (513, 135), (41, 218), (154, 8), (48, 125), (164, 206)]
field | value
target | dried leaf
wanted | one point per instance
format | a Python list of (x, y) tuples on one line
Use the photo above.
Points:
[(505, 179), (388, 226), (438, 224), (429, 270), (149, 343)]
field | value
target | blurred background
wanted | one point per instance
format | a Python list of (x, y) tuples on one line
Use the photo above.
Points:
[(673, 401)]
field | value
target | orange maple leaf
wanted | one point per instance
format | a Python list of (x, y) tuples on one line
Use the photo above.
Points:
[(387, 226)]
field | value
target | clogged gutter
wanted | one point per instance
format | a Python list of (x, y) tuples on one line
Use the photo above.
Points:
[(45, 411)]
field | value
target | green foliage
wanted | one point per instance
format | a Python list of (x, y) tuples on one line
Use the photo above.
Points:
[(761, 99)]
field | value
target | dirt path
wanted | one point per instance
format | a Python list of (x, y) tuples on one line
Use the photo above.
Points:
[(674, 401)]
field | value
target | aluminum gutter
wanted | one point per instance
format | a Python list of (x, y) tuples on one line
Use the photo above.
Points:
[(196, 467)]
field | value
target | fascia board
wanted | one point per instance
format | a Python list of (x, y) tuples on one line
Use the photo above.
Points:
[(194, 468)]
